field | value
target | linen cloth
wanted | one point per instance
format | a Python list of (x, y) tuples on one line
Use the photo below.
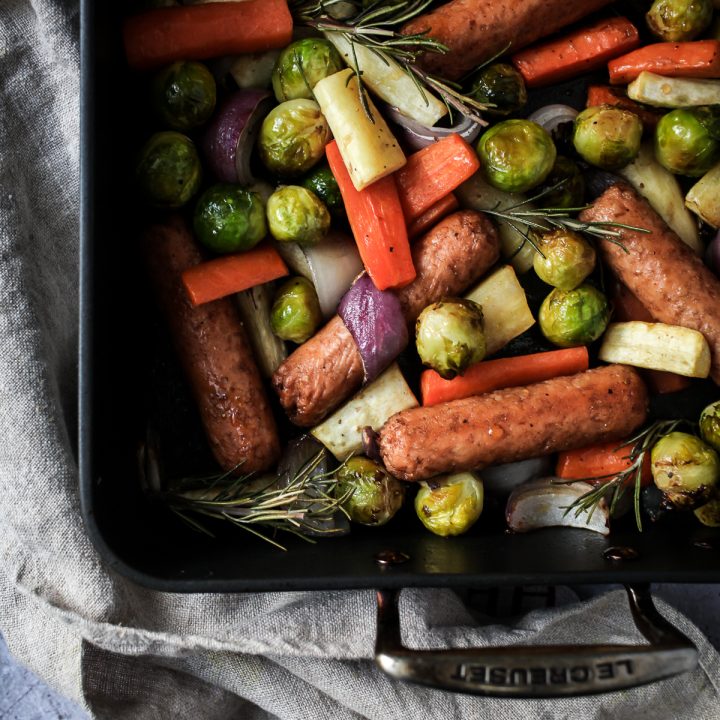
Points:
[(122, 651)]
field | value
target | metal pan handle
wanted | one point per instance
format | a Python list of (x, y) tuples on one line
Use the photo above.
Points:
[(540, 671)]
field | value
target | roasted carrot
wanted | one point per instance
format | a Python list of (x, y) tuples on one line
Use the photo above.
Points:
[(581, 51), (605, 95), (230, 274), (376, 219), (433, 215), (602, 462), (198, 32), (503, 373), (627, 307), (698, 59), (433, 172)]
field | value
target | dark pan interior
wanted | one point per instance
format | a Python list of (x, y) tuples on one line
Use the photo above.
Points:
[(129, 378)]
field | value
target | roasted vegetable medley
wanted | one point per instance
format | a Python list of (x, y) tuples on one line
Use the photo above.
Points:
[(456, 292)]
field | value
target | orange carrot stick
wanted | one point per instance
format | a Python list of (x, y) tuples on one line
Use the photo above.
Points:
[(433, 215), (230, 274), (627, 307), (605, 95), (581, 51), (502, 373), (602, 462), (378, 225), (197, 32), (698, 59), (433, 172)]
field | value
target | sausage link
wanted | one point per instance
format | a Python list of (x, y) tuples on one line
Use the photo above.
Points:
[(215, 356), (668, 278), (514, 424), (327, 369), (477, 30)]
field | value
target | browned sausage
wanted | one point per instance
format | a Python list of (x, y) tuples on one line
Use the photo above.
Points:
[(514, 424), (477, 30), (327, 369), (215, 355), (669, 279)]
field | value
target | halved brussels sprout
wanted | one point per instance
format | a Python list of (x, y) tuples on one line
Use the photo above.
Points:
[(516, 155), (168, 171), (679, 20), (229, 218), (450, 504), (301, 65), (574, 317), (607, 136), (685, 469), (184, 95), (374, 496), (566, 260), (297, 215), (293, 137), (710, 425), (687, 140), (295, 314), (501, 86), (449, 336)]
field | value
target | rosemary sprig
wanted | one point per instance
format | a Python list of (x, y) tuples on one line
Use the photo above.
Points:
[(613, 487), (250, 503), (376, 28)]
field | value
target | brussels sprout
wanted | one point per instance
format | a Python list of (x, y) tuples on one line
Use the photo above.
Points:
[(168, 170), (574, 317), (373, 495), (607, 136), (297, 215), (709, 514), (710, 425), (679, 20), (295, 314), (449, 336), (566, 260), (184, 95), (322, 182), (685, 469), (229, 218), (569, 194), (450, 504), (516, 155), (687, 140), (500, 85), (301, 65), (293, 137)]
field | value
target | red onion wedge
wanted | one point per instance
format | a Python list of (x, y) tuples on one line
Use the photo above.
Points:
[(230, 137), (550, 116), (418, 136), (376, 322), (544, 503)]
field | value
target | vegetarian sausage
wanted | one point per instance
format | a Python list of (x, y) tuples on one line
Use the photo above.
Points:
[(477, 30), (215, 355), (514, 424), (668, 278), (327, 369)]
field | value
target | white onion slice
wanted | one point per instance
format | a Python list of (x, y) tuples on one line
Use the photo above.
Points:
[(550, 116), (418, 136)]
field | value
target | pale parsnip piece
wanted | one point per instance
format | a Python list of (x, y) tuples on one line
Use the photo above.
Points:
[(505, 309), (390, 82), (661, 189), (667, 92), (368, 149), (341, 433), (477, 194), (704, 197), (657, 346)]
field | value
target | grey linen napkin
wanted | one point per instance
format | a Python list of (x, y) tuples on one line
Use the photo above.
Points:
[(122, 651)]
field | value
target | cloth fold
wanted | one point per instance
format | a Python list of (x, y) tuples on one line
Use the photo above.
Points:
[(122, 651)]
